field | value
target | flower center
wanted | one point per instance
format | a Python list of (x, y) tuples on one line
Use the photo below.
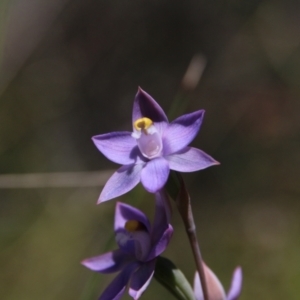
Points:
[(142, 124), (134, 225), (135, 239), (147, 137)]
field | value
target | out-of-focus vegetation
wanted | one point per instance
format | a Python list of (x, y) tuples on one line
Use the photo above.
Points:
[(70, 70)]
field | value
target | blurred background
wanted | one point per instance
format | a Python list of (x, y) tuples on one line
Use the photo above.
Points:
[(70, 70)]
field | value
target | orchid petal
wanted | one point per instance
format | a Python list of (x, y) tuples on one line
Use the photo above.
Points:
[(145, 106), (236, 284), (142, 244), (117, 147), (121, 182), (109, 262), (182, 131), (126, 243), (125, 212), (189, 160), (197, 287), (214, 286), (137, 243), (162, 215), (116, 288), (155, 174), (141, 279), (161, 245)]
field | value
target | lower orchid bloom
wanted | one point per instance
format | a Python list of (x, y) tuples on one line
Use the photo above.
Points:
[(139, 246), (215, 288)]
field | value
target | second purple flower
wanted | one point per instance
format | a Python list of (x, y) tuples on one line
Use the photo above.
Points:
[(139, 246), (152, 149)]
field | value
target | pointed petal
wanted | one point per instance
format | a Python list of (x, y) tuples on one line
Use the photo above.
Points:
[(125, 212), (160, 246), (109, 262), (197, 287), (162, 215), (141, 279), (117, 147), (155, 174), (121, 182), (236, 284), (182, 131), (189, 160), (116, 288), (214, 286), (145, 106)]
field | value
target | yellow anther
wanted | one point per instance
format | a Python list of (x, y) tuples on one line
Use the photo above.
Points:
[(142, 124), (134, 225)]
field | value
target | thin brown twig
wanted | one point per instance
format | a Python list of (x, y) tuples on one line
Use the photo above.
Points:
[(185, 210), (54, 180)]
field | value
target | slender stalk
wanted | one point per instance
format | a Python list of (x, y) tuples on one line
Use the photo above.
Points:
[(185, 209), (191, 232)]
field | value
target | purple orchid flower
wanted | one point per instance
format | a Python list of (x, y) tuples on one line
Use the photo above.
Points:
[(139, 246), (153, 148), (215, 288)]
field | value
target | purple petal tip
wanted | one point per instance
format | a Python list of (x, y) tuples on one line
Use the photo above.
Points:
[(101, 200), (86, 263), (140, 90)]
